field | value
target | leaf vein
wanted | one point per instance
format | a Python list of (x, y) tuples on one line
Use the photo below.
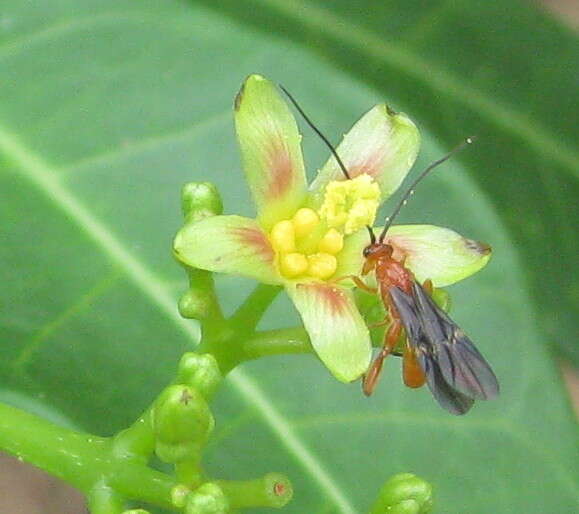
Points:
[(51, 327), (144, 144)]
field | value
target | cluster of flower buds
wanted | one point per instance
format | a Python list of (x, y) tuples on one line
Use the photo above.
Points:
[(182, 422), (199, 200)]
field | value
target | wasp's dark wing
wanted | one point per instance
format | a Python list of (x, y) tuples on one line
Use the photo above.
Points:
[(461, 364), (447, 397), (456, 372)]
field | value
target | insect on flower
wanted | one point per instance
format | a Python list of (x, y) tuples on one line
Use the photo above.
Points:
[(435, 350), (308, 237)]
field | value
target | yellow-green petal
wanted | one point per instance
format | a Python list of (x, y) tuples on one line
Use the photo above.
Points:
[(336, 329), (384, 144), (270, 149), (227, 244), (437, 253)]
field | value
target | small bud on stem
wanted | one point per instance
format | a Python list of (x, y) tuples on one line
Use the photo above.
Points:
[(404, 493), (200, 200)]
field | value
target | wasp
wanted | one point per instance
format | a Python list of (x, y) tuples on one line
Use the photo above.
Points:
[(435, 349)]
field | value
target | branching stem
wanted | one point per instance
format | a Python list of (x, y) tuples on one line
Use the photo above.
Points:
[(253, 308)]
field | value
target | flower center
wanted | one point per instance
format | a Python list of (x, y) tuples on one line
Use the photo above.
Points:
[(307, 245), (351, 204)]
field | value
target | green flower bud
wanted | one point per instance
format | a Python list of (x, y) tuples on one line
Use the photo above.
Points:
[(179, 495), (199, 301), (404, 493), (200, 200), (193, 304), (207, 499), (199, 371), (182, 423)]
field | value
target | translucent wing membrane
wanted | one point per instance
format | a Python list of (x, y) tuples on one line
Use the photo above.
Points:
[(448, 398), (457, 374)]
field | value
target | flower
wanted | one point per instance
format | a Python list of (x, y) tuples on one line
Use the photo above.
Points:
[(305, 238)]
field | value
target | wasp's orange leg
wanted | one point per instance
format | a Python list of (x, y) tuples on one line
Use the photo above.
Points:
[(428, 286), (370, 379), (358, 281), (385, 321), (412, 373)]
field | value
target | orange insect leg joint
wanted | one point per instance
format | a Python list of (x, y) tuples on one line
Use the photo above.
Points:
[(370, 380)]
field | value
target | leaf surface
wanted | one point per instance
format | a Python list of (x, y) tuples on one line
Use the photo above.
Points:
[(109, 107)]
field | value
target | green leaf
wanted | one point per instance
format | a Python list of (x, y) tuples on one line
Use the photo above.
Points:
[(109, 107)]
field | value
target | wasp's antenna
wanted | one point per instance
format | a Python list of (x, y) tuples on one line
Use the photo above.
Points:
[(372, 235), (410, 191), (317, 131)]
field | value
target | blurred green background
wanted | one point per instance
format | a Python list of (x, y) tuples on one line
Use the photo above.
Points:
[(108, 107)]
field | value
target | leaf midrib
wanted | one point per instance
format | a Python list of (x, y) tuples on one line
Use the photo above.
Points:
[(43, 176)]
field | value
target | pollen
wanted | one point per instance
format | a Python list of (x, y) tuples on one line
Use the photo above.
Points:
[(305, 220), (332, 242), (305, 246), (283, 237), (293, 264), (322, 265), (349, 205)]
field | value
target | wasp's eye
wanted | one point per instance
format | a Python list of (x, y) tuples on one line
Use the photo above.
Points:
[(366, 251)]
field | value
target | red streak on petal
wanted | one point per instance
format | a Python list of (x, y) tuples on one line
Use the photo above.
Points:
[(333, 298), (280, 168), (372, 165), (257, 240)]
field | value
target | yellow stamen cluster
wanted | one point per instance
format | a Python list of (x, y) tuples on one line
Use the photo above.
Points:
[(350, 205), (304, 247), (307, 245)]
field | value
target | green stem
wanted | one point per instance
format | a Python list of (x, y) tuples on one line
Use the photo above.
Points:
[(104, 500), (225, 342), (80, 459), (189, 473), (203, 284), (59, 451), (136, 440), (253, 308), (273, 490), (276, 342)]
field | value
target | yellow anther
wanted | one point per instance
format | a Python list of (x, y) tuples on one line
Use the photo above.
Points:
[(350, 204), (293, 264), (283, 238), (305, 221), (322, 265), (362, 213), (332, 242)]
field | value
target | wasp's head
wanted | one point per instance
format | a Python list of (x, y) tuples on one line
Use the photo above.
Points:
[(374, 251), (377, 250)]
